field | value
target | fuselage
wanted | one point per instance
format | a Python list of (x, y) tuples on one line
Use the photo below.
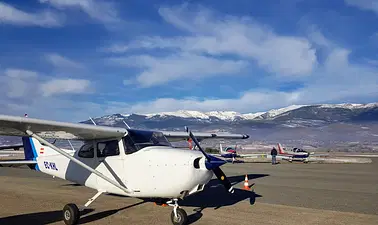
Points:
[(294, 154), (152, 172)]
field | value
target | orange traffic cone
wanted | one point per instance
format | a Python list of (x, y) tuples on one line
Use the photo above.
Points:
[(246, 185)]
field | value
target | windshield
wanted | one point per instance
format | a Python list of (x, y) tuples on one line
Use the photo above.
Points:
[(138, 139)]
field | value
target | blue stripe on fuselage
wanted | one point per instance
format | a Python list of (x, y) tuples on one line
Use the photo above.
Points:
[(29, 150)]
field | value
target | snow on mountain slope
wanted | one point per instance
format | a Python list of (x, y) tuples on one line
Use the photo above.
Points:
[(221, 115), (180, 113), (349, 106), (251, 116), (275, 112)]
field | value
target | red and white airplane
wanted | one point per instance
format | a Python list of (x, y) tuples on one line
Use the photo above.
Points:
[(296, 154)]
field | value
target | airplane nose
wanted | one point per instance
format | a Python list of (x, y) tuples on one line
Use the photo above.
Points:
[(214, 163)]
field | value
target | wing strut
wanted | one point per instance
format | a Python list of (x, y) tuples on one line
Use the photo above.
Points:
[(73, 159)]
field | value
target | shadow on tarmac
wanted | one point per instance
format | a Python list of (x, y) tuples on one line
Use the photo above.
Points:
[(216, 196), (213, 196)]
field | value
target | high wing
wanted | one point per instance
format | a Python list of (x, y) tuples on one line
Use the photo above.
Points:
[(17, 126), (173, 136)]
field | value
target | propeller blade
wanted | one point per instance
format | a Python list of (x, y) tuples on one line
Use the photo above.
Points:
[(223, 179), (213, 163), (197, 143)]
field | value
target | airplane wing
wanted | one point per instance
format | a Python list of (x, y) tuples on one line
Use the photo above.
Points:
[(173, 136), (16, 126)]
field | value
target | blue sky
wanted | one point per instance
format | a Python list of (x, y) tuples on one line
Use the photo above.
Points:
[(67, 60)]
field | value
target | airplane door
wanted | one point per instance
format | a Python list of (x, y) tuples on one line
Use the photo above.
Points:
[(78, 174), (110, 163)]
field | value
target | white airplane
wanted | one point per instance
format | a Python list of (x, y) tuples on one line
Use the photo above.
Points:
[(128, 162)]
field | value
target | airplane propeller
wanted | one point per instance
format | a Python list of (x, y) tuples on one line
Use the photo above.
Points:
[(213, 163)]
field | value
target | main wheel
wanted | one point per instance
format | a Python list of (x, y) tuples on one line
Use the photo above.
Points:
[(181, 219), (71, 214)]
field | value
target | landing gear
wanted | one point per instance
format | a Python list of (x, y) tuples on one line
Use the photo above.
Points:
[(181, 218), (178, 215), (71, 213)]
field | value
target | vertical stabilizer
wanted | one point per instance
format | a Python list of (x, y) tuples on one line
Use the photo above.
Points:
[(280, 149), (29, 148)]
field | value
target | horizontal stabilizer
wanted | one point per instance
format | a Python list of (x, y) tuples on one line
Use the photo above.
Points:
[(17, 163)]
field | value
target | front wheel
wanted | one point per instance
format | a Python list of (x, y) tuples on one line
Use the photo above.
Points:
[(71, 214), (181, 219)]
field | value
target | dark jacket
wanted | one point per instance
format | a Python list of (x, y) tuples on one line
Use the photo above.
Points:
[(273, 152)]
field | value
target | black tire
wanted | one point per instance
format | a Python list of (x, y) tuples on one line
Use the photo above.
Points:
[(182, 217), (71, 214)]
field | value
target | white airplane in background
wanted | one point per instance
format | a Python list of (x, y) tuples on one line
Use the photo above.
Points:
[(128, 162)]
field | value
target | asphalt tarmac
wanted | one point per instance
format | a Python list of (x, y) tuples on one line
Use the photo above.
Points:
[(287, 193)]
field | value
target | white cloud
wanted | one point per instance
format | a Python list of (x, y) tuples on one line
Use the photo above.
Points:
[(318, 38), (159, 70), (103, 11), (20, 73), (65, 86), (369, 5), (44, 97), (17, 82), (21, 84), (222, 38), (337, 80), (228, 35), (12, 15), (63, 62)]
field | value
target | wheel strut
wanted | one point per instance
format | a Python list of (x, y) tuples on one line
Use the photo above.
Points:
[(178, 215)]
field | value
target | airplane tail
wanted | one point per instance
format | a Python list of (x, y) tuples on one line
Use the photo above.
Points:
[(34, 149), (220, 148), (280, 149), (30, 151)]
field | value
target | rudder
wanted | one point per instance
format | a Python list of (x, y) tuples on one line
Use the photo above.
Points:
[(30, 151), (29, 148)]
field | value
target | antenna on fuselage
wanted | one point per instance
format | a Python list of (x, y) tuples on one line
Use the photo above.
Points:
[(128, 127), (92, 121)]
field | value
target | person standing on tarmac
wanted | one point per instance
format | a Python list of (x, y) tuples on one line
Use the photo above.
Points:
[(274, 154)]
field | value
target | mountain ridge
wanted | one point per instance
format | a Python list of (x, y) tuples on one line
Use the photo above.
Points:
[(318, 112)]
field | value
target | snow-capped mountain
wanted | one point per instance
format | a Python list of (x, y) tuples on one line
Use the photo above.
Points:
[(223, 115), (290, 116), (271, 114)]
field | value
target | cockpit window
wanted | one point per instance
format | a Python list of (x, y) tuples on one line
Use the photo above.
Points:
[(138, 139), (107, 148), (86, 151)]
